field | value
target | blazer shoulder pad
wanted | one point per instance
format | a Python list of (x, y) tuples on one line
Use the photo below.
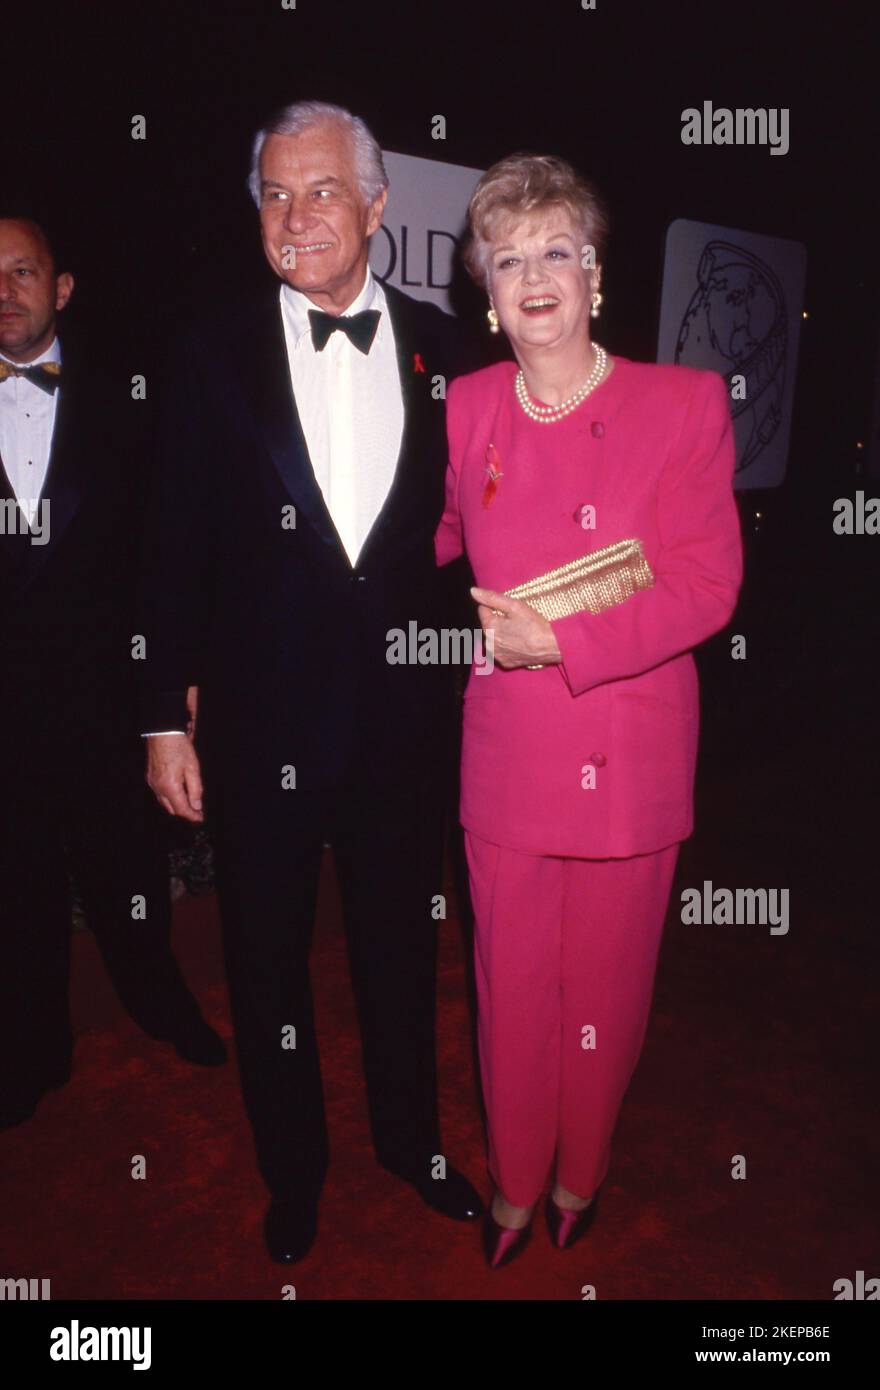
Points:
[(674, 385), (474, 389)]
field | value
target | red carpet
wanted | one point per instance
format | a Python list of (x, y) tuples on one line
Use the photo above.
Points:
[(742, 1057)]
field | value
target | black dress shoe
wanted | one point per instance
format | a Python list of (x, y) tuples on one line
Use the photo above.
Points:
[(451, 1196), (290, 1229), (14, 1110), (198, 1043)]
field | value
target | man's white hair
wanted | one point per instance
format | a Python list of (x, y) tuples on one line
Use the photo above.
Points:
[(302, 115)]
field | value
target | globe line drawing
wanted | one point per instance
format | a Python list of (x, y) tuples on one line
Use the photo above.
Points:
[(736, 324)]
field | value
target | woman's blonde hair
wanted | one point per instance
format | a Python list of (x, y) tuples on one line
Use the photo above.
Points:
[(522, 185)]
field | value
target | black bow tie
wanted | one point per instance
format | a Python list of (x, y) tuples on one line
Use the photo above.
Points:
[(46, 375), (360, 328)]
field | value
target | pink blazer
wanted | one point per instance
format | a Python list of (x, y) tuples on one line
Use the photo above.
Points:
[(652, 452)]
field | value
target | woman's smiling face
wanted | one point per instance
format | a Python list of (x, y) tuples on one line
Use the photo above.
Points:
[(538, 285)]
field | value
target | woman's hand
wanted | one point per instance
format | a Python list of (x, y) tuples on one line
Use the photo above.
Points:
[(521, 637)]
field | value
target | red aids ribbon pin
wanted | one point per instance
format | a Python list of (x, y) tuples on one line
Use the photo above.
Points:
[(418, 364), (493, 473)]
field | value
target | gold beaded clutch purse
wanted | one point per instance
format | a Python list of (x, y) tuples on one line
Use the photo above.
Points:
[(591, 583)]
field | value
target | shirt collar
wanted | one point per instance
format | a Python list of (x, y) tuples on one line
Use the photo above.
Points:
[(52, 354), (295, 306)]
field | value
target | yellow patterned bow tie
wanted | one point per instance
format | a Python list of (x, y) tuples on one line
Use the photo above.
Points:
[(46, 375)]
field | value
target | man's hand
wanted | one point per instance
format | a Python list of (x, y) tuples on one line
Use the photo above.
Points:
[(521, 637), (174, 775)]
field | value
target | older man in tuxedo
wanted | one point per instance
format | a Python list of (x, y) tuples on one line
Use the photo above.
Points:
[(300, 485), (71, 789)]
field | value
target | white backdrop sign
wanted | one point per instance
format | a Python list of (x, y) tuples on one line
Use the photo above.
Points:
[(424, 219), (733, 303)]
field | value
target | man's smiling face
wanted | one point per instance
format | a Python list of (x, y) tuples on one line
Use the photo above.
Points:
[(314, 220)]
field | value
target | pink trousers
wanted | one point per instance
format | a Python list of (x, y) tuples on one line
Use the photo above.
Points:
[(565, 954)]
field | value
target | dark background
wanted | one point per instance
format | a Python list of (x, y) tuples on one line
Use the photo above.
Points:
[(145, 223)]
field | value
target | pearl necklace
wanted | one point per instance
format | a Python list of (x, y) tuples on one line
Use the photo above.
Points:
[(546, 414)]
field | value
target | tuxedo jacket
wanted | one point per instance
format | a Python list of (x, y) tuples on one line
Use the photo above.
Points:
[(595, 757), (248, 592), (66, 607)]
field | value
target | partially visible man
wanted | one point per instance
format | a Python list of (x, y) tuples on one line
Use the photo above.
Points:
[(71, 788), (301, 481)]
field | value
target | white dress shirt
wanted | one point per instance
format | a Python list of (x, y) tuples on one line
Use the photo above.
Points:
[(350, 405), (27, 421)]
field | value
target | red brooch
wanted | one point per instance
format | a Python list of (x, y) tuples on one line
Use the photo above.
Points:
[(493, 472), (418, 364)]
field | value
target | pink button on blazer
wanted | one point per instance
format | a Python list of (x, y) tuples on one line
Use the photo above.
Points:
[(594, 758)]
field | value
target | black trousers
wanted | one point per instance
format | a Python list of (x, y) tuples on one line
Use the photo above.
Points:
[(91, 815), (388, 850)]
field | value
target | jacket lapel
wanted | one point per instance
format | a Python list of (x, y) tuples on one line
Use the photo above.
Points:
[(6, 492), (12, 543), (265, 375), (65, 477), (415, 384)]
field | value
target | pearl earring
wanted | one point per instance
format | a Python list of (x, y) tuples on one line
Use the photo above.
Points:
[(596, 301), (492, 316)]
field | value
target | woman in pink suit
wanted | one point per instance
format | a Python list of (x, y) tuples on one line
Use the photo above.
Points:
[(579, 747)]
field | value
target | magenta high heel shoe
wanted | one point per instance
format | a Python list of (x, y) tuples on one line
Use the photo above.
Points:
[(501, 1244), (566, 1227)]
